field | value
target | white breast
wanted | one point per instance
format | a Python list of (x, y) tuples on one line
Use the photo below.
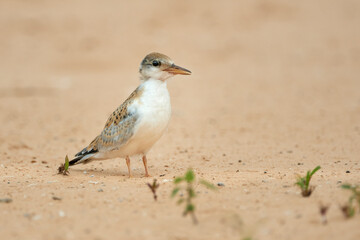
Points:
[(154, 110)]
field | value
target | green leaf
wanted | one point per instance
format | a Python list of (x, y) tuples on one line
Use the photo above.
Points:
[(189, 176), (190, 208), (309, 175), (66, 165), (314, 171), (301, 182), (346, 186), (178, 180), (307, 179), (180, 201), (175, 191), (247, 238), (208, 184)]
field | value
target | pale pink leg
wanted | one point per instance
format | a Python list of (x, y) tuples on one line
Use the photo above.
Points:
[(128, 165), (145, 165)]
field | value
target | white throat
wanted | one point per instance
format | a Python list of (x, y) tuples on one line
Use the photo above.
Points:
[(155, 74)]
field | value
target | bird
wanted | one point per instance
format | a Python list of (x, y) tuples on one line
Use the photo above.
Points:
[(139, 122)]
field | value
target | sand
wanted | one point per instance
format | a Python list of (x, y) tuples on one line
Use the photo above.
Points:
[(275, 92)]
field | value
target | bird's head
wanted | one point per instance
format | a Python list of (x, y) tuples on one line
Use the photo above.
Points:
[(159, 66)]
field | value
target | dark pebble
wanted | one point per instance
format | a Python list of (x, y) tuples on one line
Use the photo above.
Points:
[(5, 200), (220, 184), (347, 171)]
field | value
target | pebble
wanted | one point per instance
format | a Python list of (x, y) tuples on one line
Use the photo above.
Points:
[(52, 181), (220, 184), (5, 200), (91, 175), (36, 217), (347, 171), (56, 198), (93, 182), (100, 190), (61, 213)]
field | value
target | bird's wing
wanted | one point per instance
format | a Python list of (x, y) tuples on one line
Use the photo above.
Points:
[(119, 128)]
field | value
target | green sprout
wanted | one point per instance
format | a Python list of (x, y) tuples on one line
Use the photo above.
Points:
[(349, 209), (304, 182), (188, 199), (153, 187), (63, 168)]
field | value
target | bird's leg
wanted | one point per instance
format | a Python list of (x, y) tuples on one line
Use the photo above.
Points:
[(145, 165), (128, 165)]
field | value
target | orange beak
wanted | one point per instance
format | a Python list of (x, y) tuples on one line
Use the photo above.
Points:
[(173, 69)]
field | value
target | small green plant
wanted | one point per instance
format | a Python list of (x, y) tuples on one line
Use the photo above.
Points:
[(64, 168), (304, 182), (349, 209), (188, 197), (153, 187)]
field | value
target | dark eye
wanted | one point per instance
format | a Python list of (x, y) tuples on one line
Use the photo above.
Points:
[(156, 63)]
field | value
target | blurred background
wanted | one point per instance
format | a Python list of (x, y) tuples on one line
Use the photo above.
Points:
[(274, 84), (257, 65)]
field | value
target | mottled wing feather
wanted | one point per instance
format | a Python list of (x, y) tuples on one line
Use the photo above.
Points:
[(117, 133), (119, 128)]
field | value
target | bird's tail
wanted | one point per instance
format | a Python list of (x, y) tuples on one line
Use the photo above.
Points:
[(82, 159), (75, 161), (85, 155)]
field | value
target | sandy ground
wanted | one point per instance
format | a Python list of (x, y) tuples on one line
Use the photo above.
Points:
[(275, 91)]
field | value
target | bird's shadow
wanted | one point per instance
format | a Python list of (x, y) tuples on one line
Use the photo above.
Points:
[(106, 172)]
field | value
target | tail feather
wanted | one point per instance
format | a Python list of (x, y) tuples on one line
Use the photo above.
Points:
[(82, 159), (75, 160), (85, 155)]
